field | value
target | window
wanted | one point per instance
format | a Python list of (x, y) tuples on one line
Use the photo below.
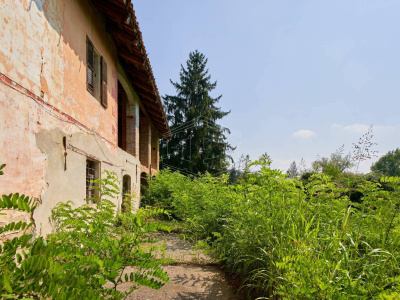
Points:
[(92, 173), (96, 73)]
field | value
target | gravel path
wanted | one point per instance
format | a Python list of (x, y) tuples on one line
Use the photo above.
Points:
[(194, 275)]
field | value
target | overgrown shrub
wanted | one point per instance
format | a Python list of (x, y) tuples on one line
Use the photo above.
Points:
[(293, 241), (86, 256)]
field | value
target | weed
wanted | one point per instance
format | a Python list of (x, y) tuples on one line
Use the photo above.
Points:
[(289, 240)]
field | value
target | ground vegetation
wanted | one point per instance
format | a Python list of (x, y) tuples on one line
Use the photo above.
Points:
[(86, 255), (293, 238)]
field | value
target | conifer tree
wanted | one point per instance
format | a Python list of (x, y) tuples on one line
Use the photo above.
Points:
[(198, 143)]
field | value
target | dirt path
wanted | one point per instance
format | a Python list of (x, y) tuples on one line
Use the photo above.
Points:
[(194, 275)]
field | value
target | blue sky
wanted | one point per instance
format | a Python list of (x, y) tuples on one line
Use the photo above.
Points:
[(301, 78)]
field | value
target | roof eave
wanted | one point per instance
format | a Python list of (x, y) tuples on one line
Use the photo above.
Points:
[(123, 27)]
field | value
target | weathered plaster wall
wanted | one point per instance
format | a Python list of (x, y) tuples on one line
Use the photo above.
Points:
[(32, 147), (20, 119), (43, 48), (43, 98), (70, 184)]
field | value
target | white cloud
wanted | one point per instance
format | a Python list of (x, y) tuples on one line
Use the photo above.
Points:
[(303, 134)]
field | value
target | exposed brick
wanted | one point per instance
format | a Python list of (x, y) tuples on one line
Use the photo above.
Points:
[(115, 111), (144, 142), (114, 130), (154, 150), (132, 132)]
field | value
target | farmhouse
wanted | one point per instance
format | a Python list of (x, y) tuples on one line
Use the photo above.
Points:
[(77, 96)]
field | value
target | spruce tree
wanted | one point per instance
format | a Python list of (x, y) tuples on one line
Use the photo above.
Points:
[(198, 144)]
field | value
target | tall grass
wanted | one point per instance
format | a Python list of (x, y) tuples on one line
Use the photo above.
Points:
[(287, 240)]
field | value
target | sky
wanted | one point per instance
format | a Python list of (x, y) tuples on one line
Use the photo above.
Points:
[(301, 78)]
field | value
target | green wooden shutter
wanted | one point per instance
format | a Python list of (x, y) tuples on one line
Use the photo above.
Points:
[(103, 82), (89, 66)]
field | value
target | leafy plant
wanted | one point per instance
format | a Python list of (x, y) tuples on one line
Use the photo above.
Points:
[(106, 187), (127, 202), (1, 168), (389, 164), (289, 240), (86, 257)]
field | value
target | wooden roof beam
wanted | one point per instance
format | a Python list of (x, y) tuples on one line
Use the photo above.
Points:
[(144, 89), (120, 35), (115, 10), (128, 56)]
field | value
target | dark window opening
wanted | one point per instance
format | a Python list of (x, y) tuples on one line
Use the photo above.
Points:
[(90, 65), (96, 73)]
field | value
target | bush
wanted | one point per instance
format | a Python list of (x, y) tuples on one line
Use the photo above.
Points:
[(86, 256), (289, 240)]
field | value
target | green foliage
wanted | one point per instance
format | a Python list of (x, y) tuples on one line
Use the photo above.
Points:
[(332, 171), (17, 202), (90, 235), (240, 169), (107, 187), (198, 143), (389, 164), (1, 168), (335, 165), (127, 201), (289, 240), (86, 257), (162, 188)]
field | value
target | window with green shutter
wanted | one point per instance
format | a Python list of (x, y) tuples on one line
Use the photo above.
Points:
[(96, 73), (89, 66)]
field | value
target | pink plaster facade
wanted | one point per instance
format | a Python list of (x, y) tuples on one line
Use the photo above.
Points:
[(44, 99)]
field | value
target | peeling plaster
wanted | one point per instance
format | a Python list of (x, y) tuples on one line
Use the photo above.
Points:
[(43, 48)]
